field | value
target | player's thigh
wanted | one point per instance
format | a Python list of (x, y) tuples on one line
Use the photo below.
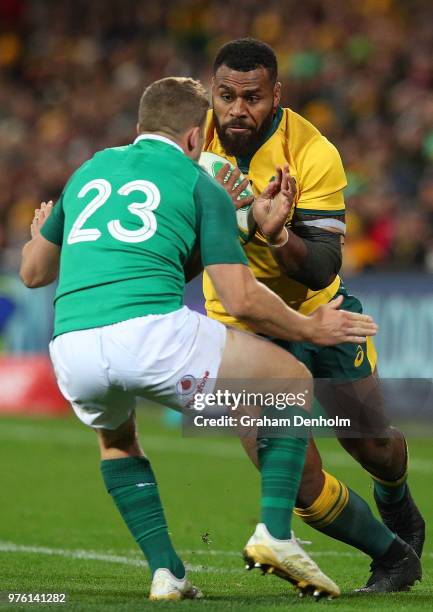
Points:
[(254, 364), (250, 356)]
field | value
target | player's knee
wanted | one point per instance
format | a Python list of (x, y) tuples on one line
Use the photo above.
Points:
[(124, 438), (298, 384)]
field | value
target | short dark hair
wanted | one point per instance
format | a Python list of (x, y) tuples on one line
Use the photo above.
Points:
[(245, 54), (173, 105)]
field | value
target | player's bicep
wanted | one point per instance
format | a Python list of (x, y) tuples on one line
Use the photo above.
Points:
[(323, 238)]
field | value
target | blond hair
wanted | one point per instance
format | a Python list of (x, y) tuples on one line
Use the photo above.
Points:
[(172, 105)]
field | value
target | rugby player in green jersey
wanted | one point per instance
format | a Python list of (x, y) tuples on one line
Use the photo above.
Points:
[(120, 239)]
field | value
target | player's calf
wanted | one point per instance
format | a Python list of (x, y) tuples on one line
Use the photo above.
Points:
[(130, 480)]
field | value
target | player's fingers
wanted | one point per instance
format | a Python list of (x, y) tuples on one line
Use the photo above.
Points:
[(222, 173), (354, 339), (285, 185), (47, 209), (270, 190), (236, 191), (292, 185), (357, 317), (362, 330), (234, 176), (288, 195), (244, 202)]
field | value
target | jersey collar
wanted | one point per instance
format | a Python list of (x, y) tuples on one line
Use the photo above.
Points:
[(160, 138)]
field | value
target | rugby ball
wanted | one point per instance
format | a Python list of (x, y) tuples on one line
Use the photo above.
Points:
[(213, 163)]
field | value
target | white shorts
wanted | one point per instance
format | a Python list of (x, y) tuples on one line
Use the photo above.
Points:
[(165, 358)]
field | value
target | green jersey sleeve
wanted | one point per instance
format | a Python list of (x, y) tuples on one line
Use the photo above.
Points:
[(217, 226), (52, 229)]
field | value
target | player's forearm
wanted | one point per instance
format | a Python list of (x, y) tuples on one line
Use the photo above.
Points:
[(33, 273), (312, 263), (292, 255), (267, 314)]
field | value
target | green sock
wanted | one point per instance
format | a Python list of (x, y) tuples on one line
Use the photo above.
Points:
[(389, 493), (132, 485), (356, 525), (281, 463)]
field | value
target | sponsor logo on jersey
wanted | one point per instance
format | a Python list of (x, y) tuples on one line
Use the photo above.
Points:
[(359, 356)]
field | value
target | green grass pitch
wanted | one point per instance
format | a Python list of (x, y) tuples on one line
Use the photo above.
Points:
[(60, 532)]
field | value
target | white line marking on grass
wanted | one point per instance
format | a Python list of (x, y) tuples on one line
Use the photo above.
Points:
[(92, 555), (132, 557)]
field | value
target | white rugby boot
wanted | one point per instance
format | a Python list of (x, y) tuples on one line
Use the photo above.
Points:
[(166, 587), (288, 560)]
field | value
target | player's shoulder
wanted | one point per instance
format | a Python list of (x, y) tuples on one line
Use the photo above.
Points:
[(305, 140), (307, 145), (103, 156)]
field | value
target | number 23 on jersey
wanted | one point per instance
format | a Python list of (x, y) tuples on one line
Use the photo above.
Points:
[(143, 210)]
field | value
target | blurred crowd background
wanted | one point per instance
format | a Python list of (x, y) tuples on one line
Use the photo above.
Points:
[(71, 73)]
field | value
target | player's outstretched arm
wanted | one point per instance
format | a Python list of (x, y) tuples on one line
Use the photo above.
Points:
[(40, 257), (248, 300)]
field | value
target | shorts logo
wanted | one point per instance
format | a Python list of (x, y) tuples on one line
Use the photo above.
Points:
[(186, 385), (199, 388), (359, 356)]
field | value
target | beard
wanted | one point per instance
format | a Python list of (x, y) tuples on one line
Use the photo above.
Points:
[(243, 145)]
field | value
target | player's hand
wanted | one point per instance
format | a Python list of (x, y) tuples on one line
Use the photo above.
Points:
[(40, 216), (229, 185), (273, 206), (333, 326)]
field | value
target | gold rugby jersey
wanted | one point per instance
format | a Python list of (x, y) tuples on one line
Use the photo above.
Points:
[(316, 165)]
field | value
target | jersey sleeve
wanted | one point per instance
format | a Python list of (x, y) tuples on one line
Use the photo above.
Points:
[(321, 179), (216, 224), (52, 229)]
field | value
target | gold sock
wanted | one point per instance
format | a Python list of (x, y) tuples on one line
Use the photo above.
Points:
[(330, 503)]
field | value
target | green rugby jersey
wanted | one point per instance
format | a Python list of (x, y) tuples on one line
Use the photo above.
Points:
[(127, 222)]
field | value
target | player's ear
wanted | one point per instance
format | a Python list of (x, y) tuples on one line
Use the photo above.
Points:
[(194, 138), (277, 95)]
